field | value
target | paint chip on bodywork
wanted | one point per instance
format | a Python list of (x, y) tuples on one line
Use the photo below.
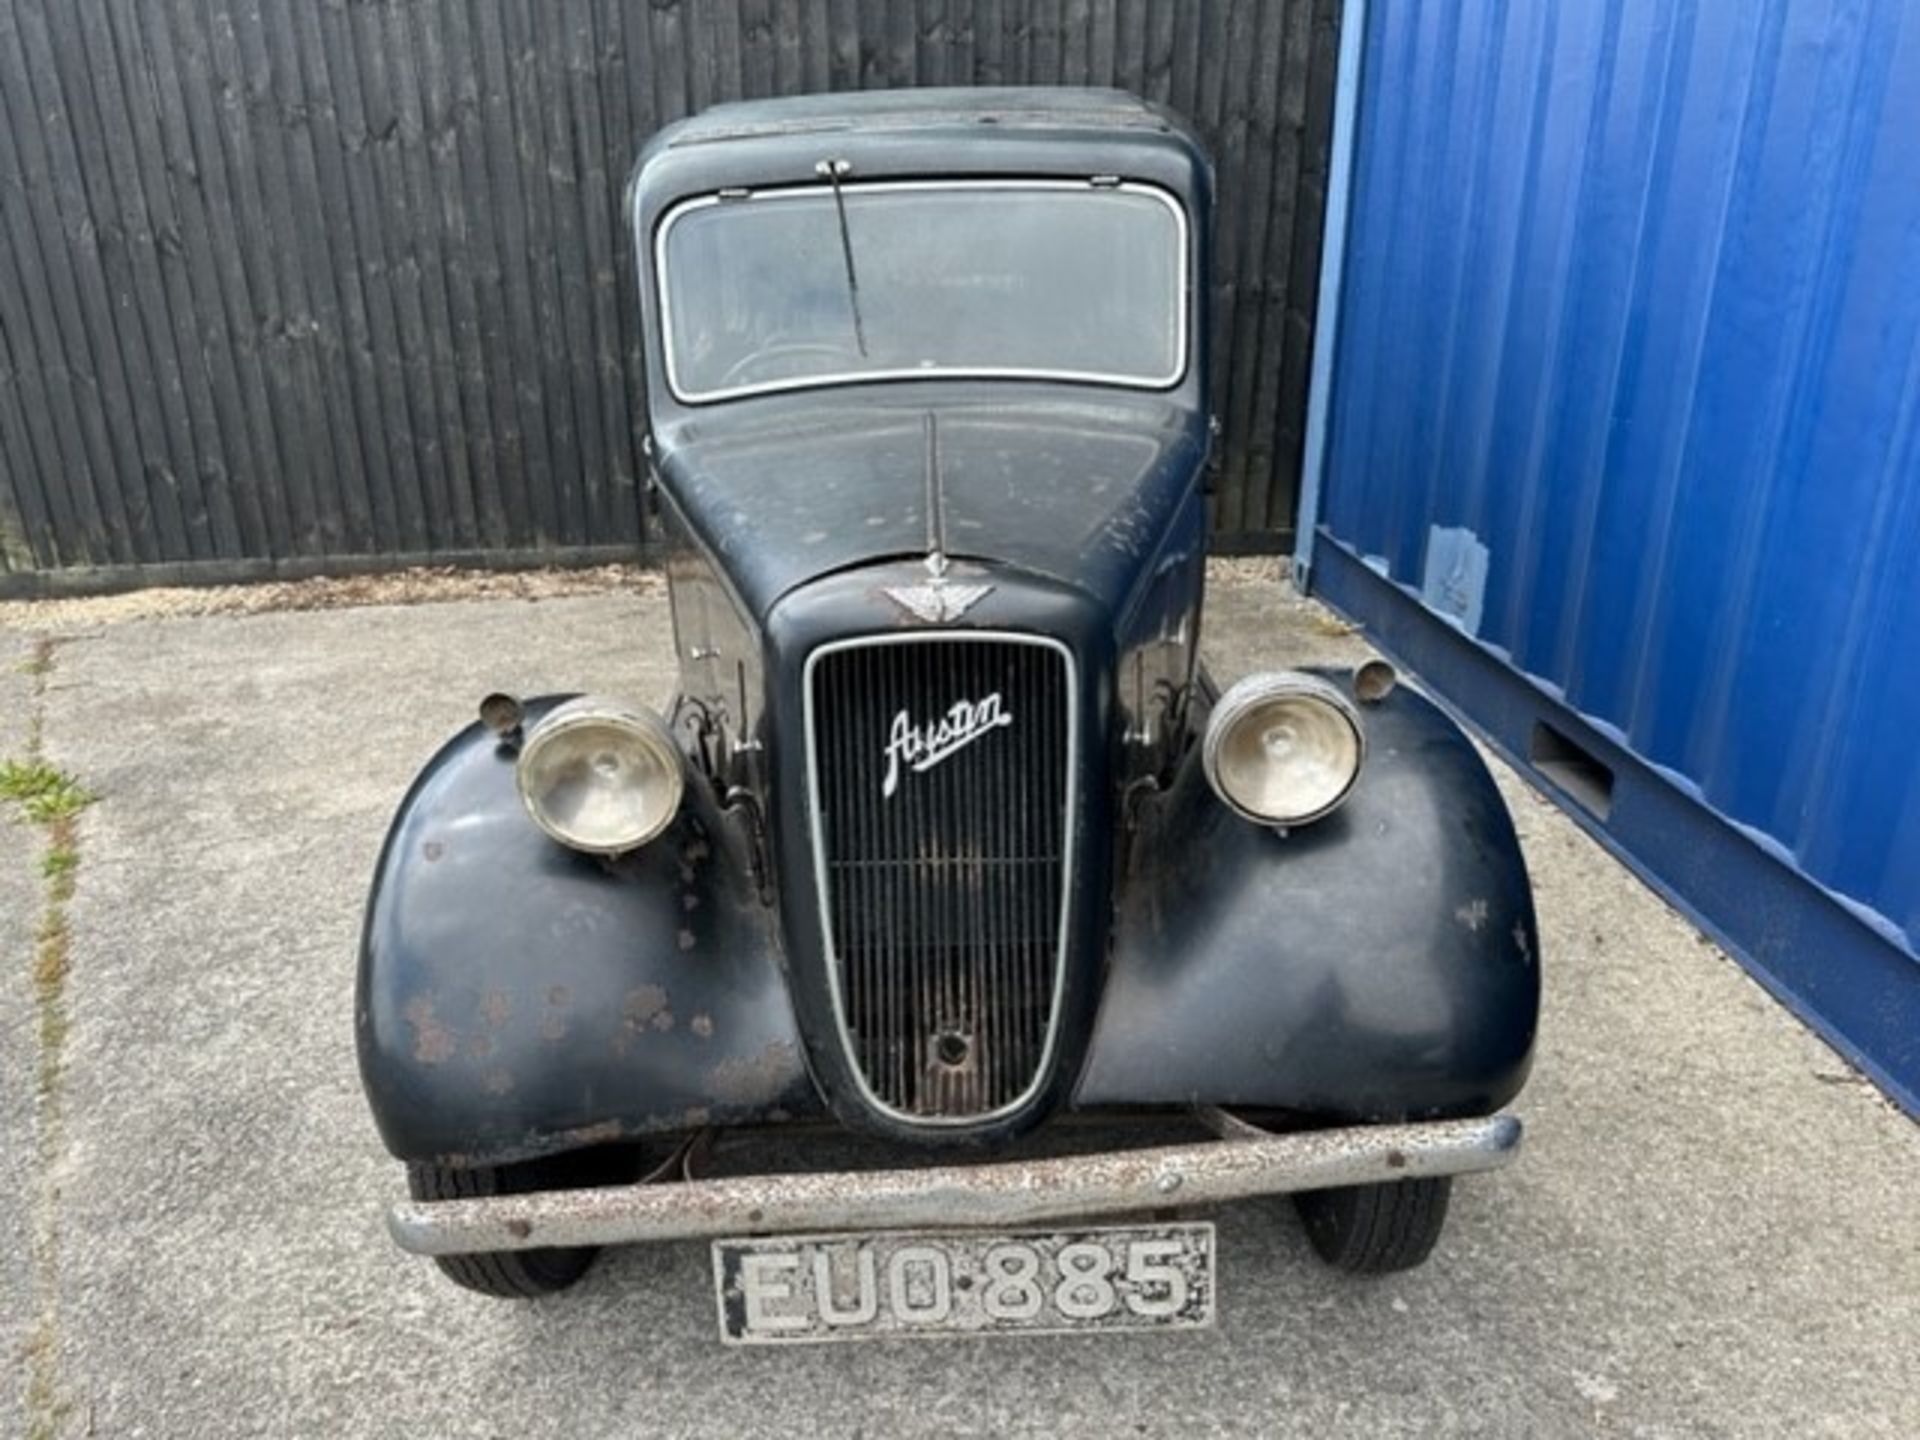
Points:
[(644, 1006), (597, 1133), (1523, 941), (756, 1078), (433, 1042), (1473, 915)]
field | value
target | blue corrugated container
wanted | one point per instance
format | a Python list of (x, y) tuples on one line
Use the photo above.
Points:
[(1620, 444)]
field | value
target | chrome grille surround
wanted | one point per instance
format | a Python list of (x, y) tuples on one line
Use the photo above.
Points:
[(896, 1106)]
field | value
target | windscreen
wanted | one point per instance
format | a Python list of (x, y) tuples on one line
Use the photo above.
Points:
[(771, 291)]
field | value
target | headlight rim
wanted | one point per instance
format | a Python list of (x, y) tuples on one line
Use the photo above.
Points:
[(1241, 698), (643, 724)]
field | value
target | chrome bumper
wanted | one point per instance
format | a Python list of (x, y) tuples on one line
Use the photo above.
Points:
[(1245, 1162)]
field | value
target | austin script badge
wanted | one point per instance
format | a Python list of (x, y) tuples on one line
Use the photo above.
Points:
[(921, 747)]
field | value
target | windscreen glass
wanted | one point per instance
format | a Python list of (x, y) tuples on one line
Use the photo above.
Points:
[(1051, 281)]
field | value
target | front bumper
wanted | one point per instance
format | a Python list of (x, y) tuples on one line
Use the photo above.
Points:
[(1245, 1162)]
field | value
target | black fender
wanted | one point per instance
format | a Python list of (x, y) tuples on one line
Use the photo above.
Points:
[(517, 998), (1380, 964)]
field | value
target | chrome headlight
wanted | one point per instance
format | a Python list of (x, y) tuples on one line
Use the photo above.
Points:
[(1283, 749), (600, 776)]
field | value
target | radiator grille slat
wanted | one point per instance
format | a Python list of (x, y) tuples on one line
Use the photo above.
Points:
[(944, 897)]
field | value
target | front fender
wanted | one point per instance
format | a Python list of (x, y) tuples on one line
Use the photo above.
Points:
[(516, 998), (1381, 964)]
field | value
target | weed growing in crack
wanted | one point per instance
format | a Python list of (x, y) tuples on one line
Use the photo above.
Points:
[(51, 800), (44, 794), (57, 867)]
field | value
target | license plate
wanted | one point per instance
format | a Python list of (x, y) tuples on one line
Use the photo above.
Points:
[(808, 1289)]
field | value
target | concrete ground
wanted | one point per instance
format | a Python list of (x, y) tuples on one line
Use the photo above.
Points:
[(1711, 1232), (20, 913)]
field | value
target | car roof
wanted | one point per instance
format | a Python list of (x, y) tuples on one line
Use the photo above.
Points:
[(880, 134), (1027, 107)]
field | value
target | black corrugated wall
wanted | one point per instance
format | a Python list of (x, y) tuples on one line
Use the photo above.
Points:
[(292, 286)]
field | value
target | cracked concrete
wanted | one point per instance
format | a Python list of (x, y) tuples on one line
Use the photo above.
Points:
[(21, 901), (53, 817), (1707, 1234)]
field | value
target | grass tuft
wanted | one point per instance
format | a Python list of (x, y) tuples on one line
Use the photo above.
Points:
[(57, 867), (45, 795)]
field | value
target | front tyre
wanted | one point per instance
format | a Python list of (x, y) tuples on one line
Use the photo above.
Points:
[(519, 1274), (1376, 1229)]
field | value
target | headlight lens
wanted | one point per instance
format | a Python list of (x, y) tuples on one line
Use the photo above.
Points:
[(600, 776), (1283, 749)]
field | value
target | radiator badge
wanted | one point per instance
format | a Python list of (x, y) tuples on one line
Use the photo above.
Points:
[(924, 746), (938, 602)]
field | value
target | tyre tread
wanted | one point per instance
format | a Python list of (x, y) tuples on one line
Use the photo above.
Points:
[(502, 1274), (1377, 1229)]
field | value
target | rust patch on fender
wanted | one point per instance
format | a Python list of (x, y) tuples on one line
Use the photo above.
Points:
[(745, 1081), (433, 850), (553, 1026), (646, 1007), (433, 1042), (702, 1025), (497, 1007), (595, 1134)]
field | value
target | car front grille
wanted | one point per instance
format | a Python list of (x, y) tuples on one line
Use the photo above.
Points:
[(942, 789)]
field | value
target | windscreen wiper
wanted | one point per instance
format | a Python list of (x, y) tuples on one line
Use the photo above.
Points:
[(832, 171)]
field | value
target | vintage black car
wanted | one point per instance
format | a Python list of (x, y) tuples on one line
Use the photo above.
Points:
[(947, 836)]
